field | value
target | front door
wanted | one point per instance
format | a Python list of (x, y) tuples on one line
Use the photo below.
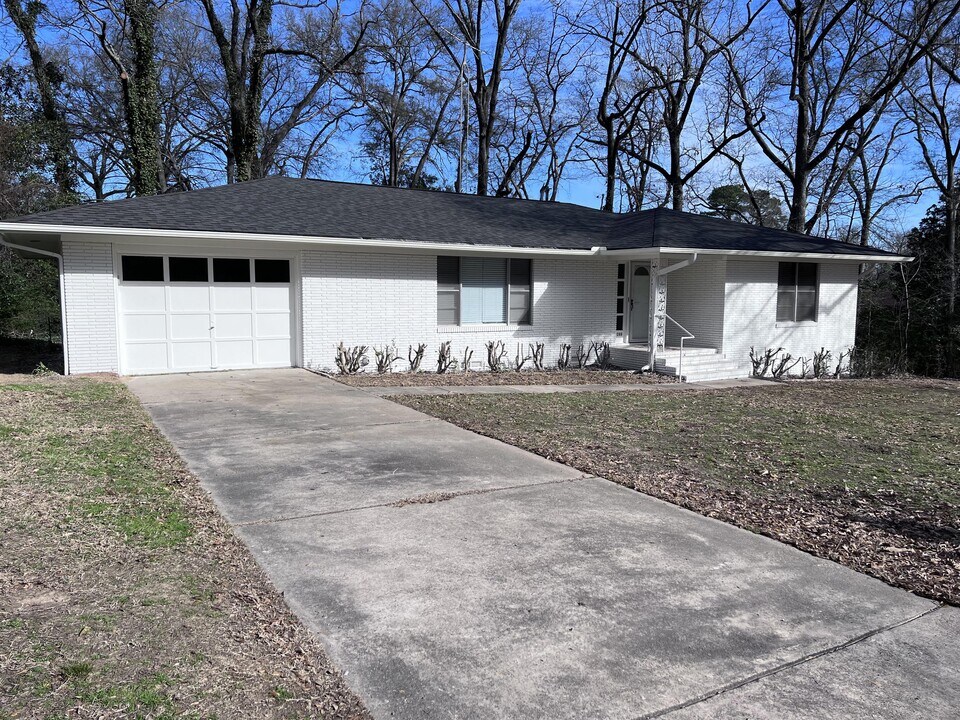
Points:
[(640, 305)]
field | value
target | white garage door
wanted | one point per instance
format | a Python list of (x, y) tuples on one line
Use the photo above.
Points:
[(180, 314)]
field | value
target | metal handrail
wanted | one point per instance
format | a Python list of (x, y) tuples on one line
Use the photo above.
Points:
[(687, 336)]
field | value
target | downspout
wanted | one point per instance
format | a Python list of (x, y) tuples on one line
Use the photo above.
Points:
[(63, 294)]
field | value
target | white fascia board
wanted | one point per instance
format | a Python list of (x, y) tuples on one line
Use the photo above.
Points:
[(772, 254), (335, 242)]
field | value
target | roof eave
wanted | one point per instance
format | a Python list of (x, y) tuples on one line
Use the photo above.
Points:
[(368, 243), (853, 257)]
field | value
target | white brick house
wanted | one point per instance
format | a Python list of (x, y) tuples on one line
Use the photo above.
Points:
[(276, 273)]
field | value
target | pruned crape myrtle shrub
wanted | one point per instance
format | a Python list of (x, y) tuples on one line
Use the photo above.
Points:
[(536, 355), (563, 358), (496, 355), (520, 360), (467, 357), (386, 357), (351, 360), (445, 358), (415, 356)]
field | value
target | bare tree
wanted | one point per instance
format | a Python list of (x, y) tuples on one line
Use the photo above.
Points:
[(613, 29), (933, 100), (466, 34), (404, 93), (802, 99)]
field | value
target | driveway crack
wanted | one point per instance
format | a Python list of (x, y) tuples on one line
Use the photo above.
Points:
[(736, 685), (425, 499)]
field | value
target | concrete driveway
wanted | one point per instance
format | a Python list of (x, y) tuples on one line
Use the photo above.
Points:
[(453, 576)]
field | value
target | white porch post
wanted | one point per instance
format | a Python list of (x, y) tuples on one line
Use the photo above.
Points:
[(658, 312)]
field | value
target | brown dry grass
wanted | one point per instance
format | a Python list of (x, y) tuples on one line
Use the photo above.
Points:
[(586, 376), (123, 593), (865, 473)]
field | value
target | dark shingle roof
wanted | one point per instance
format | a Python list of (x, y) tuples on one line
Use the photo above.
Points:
[(319, 208)]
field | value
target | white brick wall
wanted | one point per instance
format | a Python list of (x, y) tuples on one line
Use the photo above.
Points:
[(90, 306), (751, 311), (695, 300), (380, 298)]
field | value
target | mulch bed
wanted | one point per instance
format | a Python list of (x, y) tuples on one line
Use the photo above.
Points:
[(123, 591), (586, 376), (864, 473)]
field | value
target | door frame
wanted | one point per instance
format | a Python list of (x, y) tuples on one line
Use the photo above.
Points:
[(631, 269), (296, 311)]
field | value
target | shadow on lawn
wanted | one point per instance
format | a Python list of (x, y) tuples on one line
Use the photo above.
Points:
[(24, 356)]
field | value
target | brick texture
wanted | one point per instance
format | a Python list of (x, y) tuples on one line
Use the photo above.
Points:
[(751, 311), (380, 298), (90, 306)]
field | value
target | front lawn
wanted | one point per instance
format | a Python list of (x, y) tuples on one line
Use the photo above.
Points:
[(123, 593), (866, 473)]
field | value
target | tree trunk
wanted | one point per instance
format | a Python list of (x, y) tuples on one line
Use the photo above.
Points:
[(45, 75), (611, 168), (142, 99)]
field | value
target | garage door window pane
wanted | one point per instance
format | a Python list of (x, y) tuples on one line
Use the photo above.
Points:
[(188, 269), (231, 270), (140, 268), (272, 271)]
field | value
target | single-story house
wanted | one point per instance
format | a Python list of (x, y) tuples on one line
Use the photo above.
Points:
[(278, 272)]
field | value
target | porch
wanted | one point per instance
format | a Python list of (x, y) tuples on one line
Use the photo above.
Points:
[(673, 317), (695, 364)]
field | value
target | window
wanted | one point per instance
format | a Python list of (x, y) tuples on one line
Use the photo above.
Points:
[(797, 292), (520, 290), (272, 271), (231, 270), (188, 269), (484, 290), (138, 268)]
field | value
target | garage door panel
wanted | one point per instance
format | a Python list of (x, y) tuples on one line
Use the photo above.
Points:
[(146, 357), (144, 327), (273, 325), (233, 326), (191, 355), (234, 353), (144, 298), (194, 326), (189, 298), (273, 352), (271, 297), (235, 299), (172, 326)]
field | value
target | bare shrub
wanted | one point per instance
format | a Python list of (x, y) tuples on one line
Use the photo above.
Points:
[(496, 354), (520, 360), (583, 355), (536, 355), (467, 357), (351, 360), (839, 369), (563, 359), (821, 363), (385, 357), (783, 365), (601, 353), (761, 363), (415, 357), (445, 358)]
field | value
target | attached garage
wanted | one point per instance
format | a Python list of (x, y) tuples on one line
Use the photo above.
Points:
[(183, 313)]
